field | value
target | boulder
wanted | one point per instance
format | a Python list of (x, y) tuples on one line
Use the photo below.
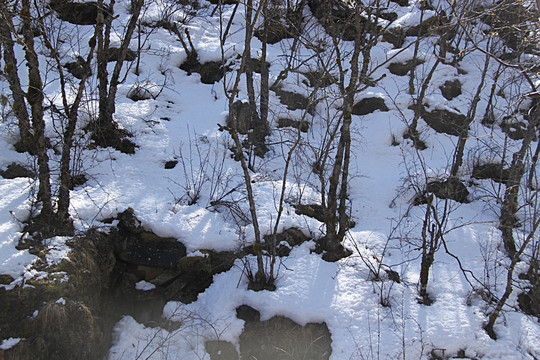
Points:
[(113, 54), (445, 121), (15, 170), (285, 240), (369, 105), (276, 31), (319, 78), (301, 125), (451, 89), (493, 171), (403, 68), (294, 101), (78, 68), (451, 188), (84, 13)]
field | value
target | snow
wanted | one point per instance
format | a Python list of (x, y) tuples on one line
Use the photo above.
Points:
[(144, 286), (181, 124), (9, 343)]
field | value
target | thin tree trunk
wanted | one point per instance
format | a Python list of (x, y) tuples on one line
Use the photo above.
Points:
[(471, 114), (35, 100), (103, 39), (12, 76), (65, 171), (113, 87), (489, 327), (510, 204)]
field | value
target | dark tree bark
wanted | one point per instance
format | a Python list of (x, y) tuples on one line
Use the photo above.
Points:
[(12, 76), (507, 219), (34, 97)]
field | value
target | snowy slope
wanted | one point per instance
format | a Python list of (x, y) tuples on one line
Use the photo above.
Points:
[(181, 124)]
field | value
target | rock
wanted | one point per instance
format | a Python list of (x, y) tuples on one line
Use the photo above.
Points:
[(257, 65), (15, 170), (320, 78), (211, 71), (78, 68), (492, 171), (451, 89), (128, 222), (292, 237), (425, 27), (451, 188), (515, 130), (148, 249), (113, 54), (509, 20), (315, 211), (394, 36), (77, 180), (77, 13), (403, 68), (220, 350), (6, 279), (240, 117), (224, 2), (247, 313), (277, 31), (171, 164), (369, 105), (301, 125), (249, 123), (445, 121), (294, 101), (401, 2), (143, 91)]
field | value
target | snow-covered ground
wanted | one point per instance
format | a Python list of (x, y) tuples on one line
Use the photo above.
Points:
[(181, 124)]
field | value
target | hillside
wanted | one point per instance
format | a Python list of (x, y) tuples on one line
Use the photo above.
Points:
[(285, 180)]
